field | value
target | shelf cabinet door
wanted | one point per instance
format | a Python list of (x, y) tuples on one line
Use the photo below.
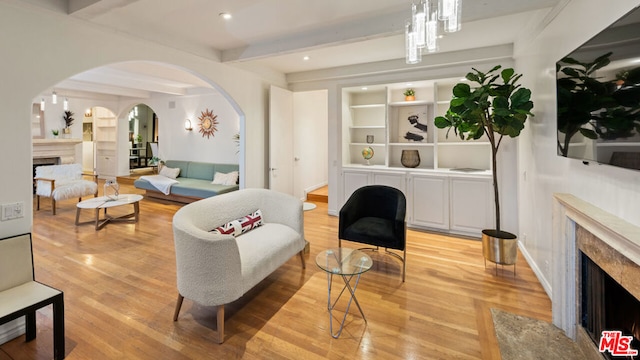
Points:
[(429, 201), (393, 179), (472, 208), (352, 180)]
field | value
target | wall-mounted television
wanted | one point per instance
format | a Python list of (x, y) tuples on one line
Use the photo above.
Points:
[(598, 97)]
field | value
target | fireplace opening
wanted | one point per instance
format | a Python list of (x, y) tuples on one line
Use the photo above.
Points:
[(606, 305)]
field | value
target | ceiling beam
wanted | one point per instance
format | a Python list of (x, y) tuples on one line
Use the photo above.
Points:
[(89, 9), (360, 29)]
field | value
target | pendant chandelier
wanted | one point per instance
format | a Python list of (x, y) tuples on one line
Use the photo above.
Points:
[(428, 19)]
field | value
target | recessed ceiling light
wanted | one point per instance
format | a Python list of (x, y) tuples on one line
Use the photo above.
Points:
[(305, 58), (225, 15), (365, 88)]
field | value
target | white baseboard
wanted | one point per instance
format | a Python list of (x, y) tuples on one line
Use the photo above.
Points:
[(536, 270), (11, 330)]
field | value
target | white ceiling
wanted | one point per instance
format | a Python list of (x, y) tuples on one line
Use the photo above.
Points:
[(278, 33)]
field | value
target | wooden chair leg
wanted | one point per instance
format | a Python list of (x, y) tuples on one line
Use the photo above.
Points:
[(58, 328), (304, 265), (178, 306), (220, 320), (53, 205)]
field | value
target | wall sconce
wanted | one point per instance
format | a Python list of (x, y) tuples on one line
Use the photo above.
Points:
[(187, 125), (88, 113)]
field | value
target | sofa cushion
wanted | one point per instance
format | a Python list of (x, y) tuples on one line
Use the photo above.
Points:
[(183, 165), (200, 170), (169, 172), (240, 226), (265, 249), (225, 179), (200, 188)]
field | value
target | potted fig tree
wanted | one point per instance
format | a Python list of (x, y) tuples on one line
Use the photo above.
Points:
[(68, 121), (496, 107)]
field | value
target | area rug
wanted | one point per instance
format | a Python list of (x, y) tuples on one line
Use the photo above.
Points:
[(524, 338)]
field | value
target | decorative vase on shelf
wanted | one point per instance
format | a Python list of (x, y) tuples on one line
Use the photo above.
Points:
[(367, 154), (410, 158), (370, 139)]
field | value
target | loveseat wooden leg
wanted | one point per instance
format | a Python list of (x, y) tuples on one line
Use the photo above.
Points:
[(220, 320), (178, 306), (304, 265)]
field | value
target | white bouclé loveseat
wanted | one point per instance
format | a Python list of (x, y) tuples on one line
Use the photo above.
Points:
[(214, 269)]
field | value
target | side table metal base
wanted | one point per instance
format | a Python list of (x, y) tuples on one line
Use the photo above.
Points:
[(330, 306)]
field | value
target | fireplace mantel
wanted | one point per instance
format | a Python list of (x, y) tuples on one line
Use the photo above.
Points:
[(64, 149), (618, 234)]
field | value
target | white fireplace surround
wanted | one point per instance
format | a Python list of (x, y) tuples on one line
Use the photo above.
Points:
[(621, 236), (62, 149)]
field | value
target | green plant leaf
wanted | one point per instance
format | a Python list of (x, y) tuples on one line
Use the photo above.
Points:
[(507, 74), (588, 133), (462, 90)]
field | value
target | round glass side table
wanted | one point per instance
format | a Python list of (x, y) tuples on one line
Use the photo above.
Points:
[(345, 263)]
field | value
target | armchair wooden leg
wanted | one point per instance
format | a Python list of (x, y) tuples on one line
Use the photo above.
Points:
[(178, 306), (37, 202), (53, 205), (304, 265), (220, 320)]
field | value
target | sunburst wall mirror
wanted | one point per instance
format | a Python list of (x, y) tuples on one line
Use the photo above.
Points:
[(208, 123)]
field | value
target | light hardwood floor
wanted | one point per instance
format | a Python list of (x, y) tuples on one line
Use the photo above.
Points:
[(120, 293)]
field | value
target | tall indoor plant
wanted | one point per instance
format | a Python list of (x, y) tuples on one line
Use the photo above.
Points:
[(498, 106)]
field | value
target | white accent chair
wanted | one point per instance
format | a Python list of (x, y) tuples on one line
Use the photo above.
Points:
[(214, 269), (62, 182), (21, 295)]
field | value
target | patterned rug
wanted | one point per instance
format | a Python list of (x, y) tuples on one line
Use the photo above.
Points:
[(523, 338)]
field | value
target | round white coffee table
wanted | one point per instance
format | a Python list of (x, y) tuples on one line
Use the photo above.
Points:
[(104, 202)]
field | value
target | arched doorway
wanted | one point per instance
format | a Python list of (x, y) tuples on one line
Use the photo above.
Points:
[(173, 94), (143, 137)]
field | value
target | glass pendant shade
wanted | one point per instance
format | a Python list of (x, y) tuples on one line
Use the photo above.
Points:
[(413, 54), (418, 18), (65, 104), (445, 9), (452, 23), (54, 98)]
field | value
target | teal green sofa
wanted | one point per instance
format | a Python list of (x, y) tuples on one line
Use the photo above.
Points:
[(194, 181)]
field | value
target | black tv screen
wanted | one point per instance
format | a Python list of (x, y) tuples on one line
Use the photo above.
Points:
[(598, 97)]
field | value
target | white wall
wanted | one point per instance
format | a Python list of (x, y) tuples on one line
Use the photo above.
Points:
[(45, 48), (310, 123), (541, 172), (176, 143)]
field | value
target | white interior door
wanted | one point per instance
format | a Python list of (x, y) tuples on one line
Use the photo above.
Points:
[(281, 140)]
